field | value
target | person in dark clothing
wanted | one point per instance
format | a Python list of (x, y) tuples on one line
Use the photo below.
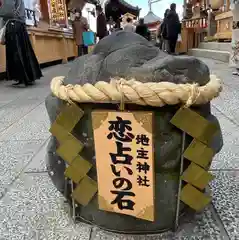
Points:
[(101, 31), (142, 29), (79, 26), (173, 28), (162, 33), (117, 25), (21, 63)]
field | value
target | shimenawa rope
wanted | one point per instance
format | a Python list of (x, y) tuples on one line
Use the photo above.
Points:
[(132, 91)]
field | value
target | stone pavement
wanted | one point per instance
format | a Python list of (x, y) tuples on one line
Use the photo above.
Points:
[(32, 209)]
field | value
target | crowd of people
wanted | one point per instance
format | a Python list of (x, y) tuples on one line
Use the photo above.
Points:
[(167, 33), (21, 62)]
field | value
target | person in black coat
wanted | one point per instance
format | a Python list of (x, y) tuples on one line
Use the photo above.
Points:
[(142, 29), (22, 64), (162, 33), (173, 28), (101, 26)]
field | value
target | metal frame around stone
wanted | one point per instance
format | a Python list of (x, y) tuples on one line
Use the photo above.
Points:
[(176, 222), (196, 177)]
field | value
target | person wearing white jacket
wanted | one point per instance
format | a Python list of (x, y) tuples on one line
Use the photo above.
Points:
[(37, 10)]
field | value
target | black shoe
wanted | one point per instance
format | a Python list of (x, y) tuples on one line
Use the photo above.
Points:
[(235, 73), (17, 83)]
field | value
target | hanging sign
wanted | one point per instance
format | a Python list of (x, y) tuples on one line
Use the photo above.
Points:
[(125, 162), (57, 11)]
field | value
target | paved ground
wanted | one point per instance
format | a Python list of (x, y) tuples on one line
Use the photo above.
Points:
[(32, 209)]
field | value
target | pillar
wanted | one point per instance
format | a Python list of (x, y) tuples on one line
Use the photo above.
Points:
[(208, 18), (65, 50), (184, 8)]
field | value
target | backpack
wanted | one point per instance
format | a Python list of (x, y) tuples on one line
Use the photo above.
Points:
[(164, 32), (8, 8)]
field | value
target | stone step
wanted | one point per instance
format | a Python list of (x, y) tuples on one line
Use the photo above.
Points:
[(215, 46), (212, 54)]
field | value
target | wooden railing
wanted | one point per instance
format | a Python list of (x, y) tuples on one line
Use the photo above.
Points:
[(195, 30)]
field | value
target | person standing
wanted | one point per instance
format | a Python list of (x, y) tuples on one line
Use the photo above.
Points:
[(80, 25), (37, 9), (101, 25), (142, 29), (117, 26), (21, 63), (111, 24), (173, 28), (162, 33), (129, 27)]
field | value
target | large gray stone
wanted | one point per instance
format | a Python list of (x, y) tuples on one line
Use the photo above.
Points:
[(125, 54), (129, 55)]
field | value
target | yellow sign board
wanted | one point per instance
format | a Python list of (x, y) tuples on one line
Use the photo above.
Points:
[(125, 162)]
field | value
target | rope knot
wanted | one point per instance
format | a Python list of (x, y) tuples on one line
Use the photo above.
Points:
[(119, 84), (67, 89), (193, 95)]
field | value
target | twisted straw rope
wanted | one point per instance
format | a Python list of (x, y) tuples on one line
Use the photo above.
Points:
[(132, 91)]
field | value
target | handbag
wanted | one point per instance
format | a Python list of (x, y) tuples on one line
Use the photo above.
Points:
[(3, 34), (88, 38)]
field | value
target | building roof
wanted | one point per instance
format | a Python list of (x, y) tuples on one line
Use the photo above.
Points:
[(124, 6), (129, 15), (152, 18), (116, 8), (127, 5)]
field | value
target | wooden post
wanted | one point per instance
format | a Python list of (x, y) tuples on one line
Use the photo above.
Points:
[(65, 50), (33, 40), (45, 10), (190, 38), (209, 19), (184, 43), (227, 5), (76, 49)]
